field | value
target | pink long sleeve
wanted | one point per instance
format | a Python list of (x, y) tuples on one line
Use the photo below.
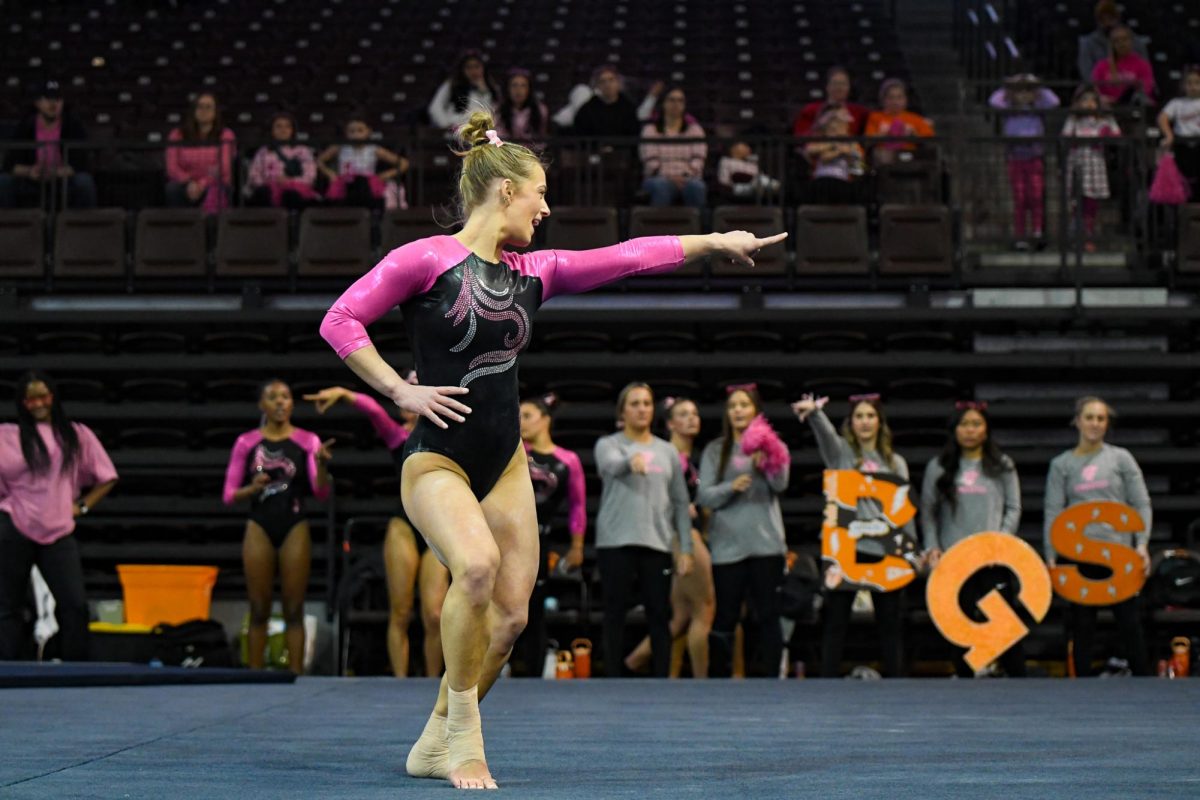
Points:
[(387, 429), (576, 492), (575, 271), (175, 170), (235, 473), (403, 273), (311, 444)]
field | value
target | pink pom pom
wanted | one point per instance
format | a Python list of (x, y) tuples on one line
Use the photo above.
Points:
[(1169, 186), (760, 437)]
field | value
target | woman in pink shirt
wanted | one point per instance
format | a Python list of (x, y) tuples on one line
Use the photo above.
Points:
[(674, 171), (200, 158), (1124, 74), (45, 462)]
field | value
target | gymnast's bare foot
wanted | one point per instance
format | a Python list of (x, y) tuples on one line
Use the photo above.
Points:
[(472, 775), (464, 738)]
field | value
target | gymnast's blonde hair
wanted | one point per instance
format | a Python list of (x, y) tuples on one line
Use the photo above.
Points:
[(484, 161)]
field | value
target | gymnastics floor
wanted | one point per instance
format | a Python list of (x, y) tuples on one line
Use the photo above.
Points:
[(347, 738)]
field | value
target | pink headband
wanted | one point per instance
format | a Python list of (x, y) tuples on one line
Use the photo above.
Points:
[(741, 387), (971, 405), (865, 398)]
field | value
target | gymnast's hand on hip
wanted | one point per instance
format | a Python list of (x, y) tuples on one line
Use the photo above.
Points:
[(432, 402)]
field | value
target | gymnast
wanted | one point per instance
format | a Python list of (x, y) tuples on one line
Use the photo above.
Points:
[(465, 476)]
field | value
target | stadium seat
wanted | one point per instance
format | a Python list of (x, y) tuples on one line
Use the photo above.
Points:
[(90, 244), (831, 240), (252, 243), (170, 243), (915, 240), (22, 243), (671, 221), (761, 221), (335, 241), (401, 226), (1188, 247), (574, 228)]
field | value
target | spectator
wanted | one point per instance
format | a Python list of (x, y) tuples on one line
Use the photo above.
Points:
[(837, 94), (522, 117), (1093, 47), (27, 171), (1087, 160), (1180, 119), (356, 181), (609, 112), (200, 158), (895, 120), (739, 176), (649, 109), (469, 88), (282, 172), (1026, 168), (674, 171), (1124, 76), (836, 165)]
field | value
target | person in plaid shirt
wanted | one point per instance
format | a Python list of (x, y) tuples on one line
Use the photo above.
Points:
[(1087, 160), (674, 171), (282, 172)]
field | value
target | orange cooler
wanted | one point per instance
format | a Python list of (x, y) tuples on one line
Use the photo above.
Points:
[(155, 594)]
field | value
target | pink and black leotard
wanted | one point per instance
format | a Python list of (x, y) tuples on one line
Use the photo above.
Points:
[(391, 433), (557, 481), (290, 463), (468, 319)]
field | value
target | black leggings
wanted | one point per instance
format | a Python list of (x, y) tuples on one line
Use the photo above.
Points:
[(1081, 626), (60, 565), (757, 581), (974, 590), (532, 642), (889, 616), (620, 569)]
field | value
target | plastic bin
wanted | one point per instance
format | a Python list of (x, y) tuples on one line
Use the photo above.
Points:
[(155, 594)]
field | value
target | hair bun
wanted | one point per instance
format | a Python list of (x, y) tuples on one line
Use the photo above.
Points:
[(551, 400), (474, 129)]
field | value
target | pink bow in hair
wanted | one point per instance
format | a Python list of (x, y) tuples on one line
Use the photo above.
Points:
[(494, 138), (741, 387)]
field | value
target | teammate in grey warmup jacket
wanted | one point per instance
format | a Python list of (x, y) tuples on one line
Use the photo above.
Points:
[(746, 534), (1095, 470), (643, 508), (969, 488), (865, 444)]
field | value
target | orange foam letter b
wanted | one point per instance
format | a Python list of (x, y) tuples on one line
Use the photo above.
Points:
[(843, 489)]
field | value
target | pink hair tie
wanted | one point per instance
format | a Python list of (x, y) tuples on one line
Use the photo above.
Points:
[(494, 138), (668, 403)]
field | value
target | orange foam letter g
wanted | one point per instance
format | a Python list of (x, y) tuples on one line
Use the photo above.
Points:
[(986, 641)]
